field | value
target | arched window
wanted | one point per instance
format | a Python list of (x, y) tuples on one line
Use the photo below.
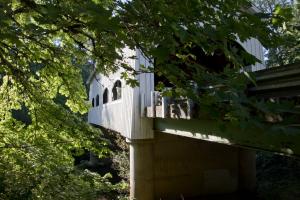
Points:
[(105, 96), (117, 92), (93, 102), (97, 100)]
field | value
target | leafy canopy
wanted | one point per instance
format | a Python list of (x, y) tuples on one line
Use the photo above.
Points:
[(46, 44)]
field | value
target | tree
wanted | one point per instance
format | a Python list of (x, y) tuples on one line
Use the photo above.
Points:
[(41, 55), (46, 43), (288, 50), (268, 6), (177, 31)]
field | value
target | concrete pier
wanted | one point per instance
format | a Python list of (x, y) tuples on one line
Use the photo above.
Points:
[(141, 169), (172, 167)]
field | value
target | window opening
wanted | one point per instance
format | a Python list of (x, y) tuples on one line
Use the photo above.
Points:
[(97, 100), (117, 92), (105, 96)]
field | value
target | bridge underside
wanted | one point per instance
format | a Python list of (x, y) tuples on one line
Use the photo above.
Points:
[(257, 139)]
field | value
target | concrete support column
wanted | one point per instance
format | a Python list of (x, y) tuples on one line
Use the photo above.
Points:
[(141, 169), (247, 170)]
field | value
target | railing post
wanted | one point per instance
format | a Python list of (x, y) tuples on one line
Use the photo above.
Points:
[(164, 107), (153, 103)]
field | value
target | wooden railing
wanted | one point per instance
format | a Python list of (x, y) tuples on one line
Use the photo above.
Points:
[(165, 107)]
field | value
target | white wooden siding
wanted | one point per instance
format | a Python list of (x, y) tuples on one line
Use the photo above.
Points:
[(124, 115), (254, 47), (142, 126)]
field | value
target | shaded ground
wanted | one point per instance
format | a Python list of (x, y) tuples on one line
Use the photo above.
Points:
[(278, 177)]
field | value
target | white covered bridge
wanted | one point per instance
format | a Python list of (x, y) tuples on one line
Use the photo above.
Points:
[(119, 107), (167, 158)]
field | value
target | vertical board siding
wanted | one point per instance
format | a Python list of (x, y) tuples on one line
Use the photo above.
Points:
[(254, 47), (147, 124), (142, 128)]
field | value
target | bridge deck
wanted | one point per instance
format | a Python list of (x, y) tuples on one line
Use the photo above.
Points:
[(208, 130)]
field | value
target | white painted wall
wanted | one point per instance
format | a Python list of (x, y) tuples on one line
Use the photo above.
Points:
[(124, 115)]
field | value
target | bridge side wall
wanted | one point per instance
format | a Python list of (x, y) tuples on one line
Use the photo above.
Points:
[(124, 115)]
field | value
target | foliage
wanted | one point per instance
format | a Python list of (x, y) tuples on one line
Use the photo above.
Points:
[(288, 50), (41, 55), (268, 6), (45, 44), (119, 153), (121, 163), (175, 29)]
